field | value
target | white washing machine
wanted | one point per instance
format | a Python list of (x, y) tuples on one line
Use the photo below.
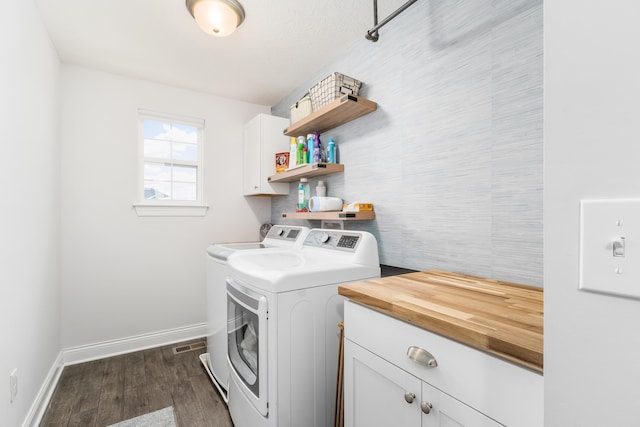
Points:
[(283, 314), (215, 360)]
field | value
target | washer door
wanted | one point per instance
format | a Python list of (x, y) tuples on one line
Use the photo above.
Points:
[(247, 342)]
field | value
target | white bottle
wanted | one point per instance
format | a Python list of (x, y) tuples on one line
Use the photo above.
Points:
[(293, 151), (321, 190)]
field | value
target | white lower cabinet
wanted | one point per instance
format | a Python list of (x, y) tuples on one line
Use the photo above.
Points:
[(383, 395), (374, 391), (385, 387), (440, 409)]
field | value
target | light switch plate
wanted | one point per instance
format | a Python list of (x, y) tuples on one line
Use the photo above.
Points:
[(610, 247)]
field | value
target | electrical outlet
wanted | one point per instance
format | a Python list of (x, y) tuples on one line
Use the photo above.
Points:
[(13, 385)]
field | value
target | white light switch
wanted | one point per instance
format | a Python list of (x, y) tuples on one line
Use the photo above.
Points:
[(610, 246)]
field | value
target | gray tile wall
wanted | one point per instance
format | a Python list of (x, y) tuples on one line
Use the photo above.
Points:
[(452, 158)]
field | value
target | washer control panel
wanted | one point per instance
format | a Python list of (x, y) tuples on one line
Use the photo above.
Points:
[(333, 239), (287, 233)]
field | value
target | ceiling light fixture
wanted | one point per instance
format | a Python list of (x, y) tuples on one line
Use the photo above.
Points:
[(216, 17)]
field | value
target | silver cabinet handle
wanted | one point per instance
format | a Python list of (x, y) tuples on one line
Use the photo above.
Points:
[(426, 407), (409, 397), (421, 357)]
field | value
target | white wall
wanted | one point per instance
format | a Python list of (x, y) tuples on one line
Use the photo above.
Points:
[(124, 275), (592, 99), (29, 206)]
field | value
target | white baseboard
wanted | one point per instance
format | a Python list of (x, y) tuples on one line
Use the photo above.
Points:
[(104, 349), (44, 395)]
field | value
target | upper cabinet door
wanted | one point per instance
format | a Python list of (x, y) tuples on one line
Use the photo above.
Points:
[(262, 139)]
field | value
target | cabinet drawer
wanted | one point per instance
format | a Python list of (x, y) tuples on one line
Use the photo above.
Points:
[(505, 392)]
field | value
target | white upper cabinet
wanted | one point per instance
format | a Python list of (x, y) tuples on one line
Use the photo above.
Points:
[(263, 138)]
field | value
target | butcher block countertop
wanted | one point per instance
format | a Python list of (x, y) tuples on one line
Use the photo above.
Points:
[(501, 318)]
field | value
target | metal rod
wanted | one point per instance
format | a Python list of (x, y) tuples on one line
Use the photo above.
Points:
[(372, 34), (375, 12)]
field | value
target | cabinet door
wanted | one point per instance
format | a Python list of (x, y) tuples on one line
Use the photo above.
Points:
[(251, 157), (262, 139), (374, 391), (445, 411)]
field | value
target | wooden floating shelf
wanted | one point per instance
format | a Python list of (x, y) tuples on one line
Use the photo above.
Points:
[(335, 216), (307, 171), (341, 111)]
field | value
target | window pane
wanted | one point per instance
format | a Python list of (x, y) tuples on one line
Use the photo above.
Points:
[(185, 173), (157, 190), (157, 171), (157, 149), (170, 158), (184, 191), (188, 152), (155, 129), (184, 133)]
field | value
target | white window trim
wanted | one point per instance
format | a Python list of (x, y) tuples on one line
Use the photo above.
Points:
[(170, 210), (170, 207)]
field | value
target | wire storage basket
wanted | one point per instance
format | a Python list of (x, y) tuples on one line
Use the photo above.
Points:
[(331, 88)]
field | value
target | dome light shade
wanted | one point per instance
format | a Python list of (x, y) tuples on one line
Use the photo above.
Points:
[(216, 17)]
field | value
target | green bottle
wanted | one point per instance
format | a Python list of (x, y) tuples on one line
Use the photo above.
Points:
[(300, 157)]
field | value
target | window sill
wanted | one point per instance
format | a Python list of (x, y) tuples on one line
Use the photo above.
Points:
[(170, 210)]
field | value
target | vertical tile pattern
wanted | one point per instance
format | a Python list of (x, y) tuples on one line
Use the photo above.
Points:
[(517, 147), (452, 158)]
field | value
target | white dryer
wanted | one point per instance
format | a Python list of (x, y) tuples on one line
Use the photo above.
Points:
[(283, 312), (215, 360)]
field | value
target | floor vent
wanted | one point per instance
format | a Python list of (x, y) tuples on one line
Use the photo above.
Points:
[(189, 347)]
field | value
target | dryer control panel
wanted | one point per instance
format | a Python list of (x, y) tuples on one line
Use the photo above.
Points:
[(334, 239)]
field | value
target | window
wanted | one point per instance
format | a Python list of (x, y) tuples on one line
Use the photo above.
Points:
[(170, 165)]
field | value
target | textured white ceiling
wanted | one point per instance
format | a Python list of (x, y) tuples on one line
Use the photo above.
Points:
[(280, 44)]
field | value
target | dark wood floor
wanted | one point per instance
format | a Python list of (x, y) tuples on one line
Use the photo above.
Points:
[(107, 391)]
